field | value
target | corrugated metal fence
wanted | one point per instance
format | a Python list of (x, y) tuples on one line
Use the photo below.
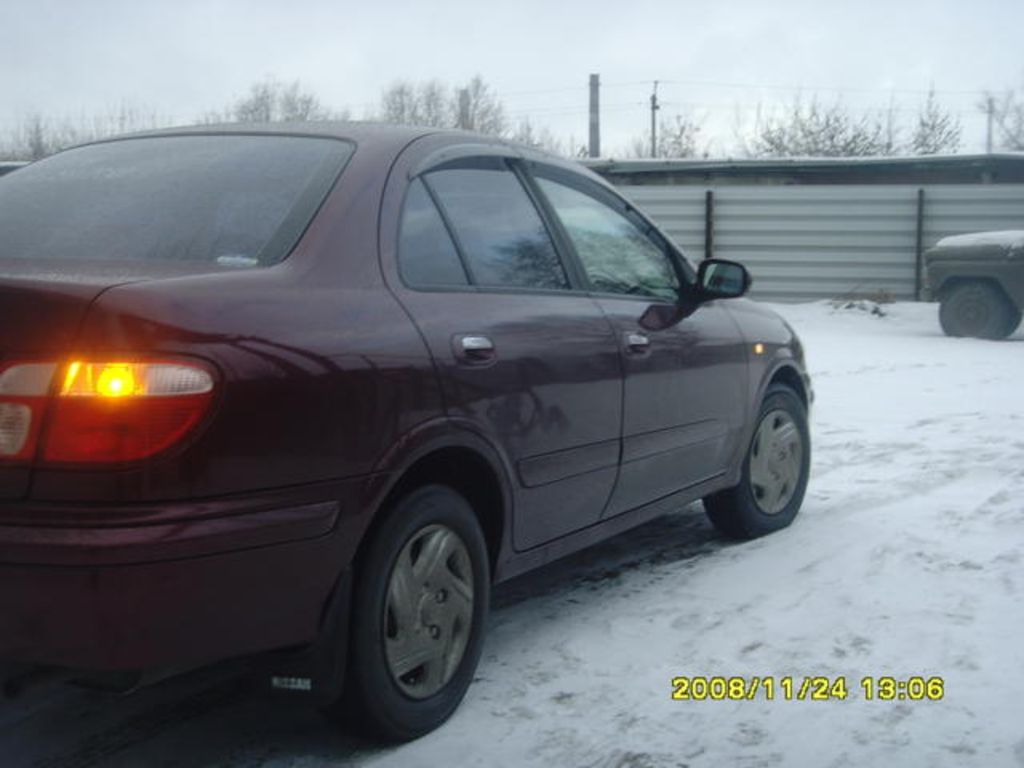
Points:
[(821, 241)]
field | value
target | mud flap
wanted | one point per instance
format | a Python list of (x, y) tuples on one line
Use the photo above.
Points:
[(317, 670)]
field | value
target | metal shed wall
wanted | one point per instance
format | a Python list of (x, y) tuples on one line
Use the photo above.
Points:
[(813, 242)]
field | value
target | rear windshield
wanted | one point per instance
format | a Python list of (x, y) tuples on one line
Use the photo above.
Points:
[(233, 201)]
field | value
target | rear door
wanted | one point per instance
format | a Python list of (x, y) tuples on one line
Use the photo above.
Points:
[(683, 406), (522, 356)]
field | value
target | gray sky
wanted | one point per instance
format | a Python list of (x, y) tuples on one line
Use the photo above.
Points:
[(716, 61)]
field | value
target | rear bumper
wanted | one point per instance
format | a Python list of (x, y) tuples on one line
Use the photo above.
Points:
[(138, 597)]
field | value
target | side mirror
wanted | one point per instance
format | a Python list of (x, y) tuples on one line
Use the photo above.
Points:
[(716, 279), (721, 279)]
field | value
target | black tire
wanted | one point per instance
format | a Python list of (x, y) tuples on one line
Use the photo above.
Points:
[(977, 309), (1013, 323), (744, 511), (380, 703)]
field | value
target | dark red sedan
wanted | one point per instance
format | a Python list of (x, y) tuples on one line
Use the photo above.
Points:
[(316, 388)]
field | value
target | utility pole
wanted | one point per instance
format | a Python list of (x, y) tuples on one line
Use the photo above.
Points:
[(990, 110), (654, 121), (464, 109), (595, 116)]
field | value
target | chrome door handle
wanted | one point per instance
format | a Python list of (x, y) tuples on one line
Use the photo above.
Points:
[(476, 347), (637, 342)]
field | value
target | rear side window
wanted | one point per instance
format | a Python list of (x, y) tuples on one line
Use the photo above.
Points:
[(233, 200), (502, 236), (426, 253), (616, 255)]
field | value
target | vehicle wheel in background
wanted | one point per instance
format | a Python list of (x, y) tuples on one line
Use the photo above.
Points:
[(417, 622), (775, 471), (977, 309), (1014, 321)]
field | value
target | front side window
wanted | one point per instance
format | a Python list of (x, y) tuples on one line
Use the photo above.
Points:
[(616, 255), (503, 238)]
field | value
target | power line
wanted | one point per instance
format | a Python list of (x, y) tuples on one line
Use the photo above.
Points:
[(762, 86), (568, 88), (830, 89)]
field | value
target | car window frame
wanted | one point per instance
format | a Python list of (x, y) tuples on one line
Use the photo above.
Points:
[(685, 274), (513, 165)]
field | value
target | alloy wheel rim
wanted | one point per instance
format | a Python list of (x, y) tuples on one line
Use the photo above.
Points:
[(428, 612), (776, 461)]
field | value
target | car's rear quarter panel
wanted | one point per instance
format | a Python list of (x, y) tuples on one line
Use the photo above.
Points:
[(320, 370)]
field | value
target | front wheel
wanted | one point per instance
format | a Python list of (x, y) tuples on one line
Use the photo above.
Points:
[(418, 616), (977, 309), (774, 474)]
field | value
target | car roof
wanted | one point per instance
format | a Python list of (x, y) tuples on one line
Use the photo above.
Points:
[(360, 131), (387, 138), (364, 133)]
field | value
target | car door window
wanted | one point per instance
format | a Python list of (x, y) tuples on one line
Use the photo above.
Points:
[(426, 254), (500, 232), (616, 255)]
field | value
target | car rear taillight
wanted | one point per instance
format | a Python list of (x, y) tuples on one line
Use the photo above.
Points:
[(124, 411), (99, 411), (23, 394)]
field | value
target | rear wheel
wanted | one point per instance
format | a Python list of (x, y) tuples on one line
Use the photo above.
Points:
[(418, 616), (774, 474), (977, 309)]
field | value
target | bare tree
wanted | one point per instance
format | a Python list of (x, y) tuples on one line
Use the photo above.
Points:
[(36, 140), (271, 101), (473, 107), (676, 138), (937, 131), (541, 138), (426, 103), (1008, 118), (259, 106), (814, 130), (477, 108), (434, 99), (679, 137), (37, 136), (399, 104), (296, 105)]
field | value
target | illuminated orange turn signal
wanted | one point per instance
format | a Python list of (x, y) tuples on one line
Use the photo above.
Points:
[(124, 411), (101, 379), (87, 379)]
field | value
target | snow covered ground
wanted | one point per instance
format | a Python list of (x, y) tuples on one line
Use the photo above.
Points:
[(906, 560)]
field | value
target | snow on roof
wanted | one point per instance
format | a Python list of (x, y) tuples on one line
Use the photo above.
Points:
[(1008, 238)]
